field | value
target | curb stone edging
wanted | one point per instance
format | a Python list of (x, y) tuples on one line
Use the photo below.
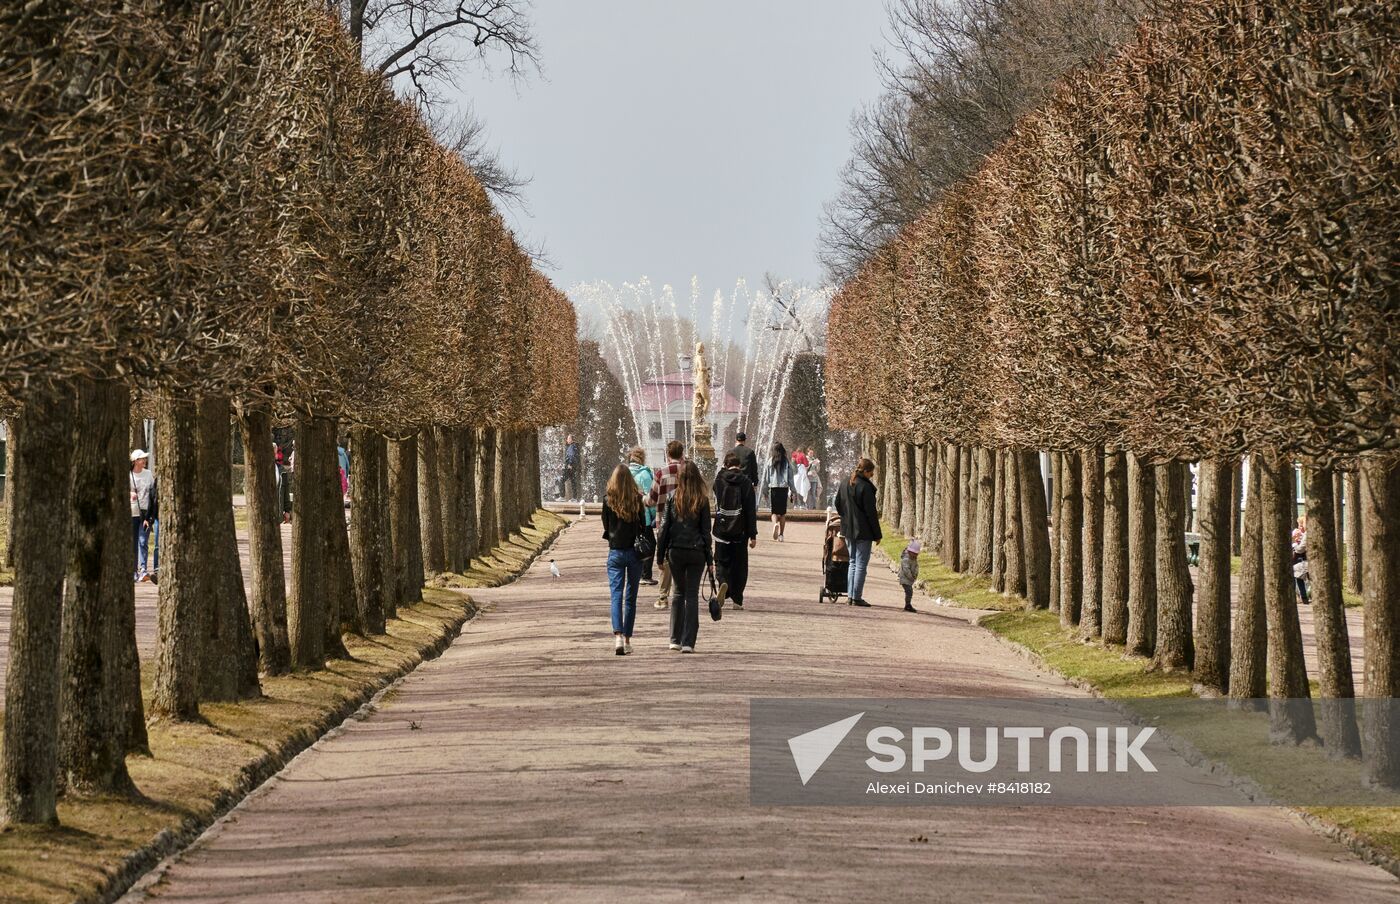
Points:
[(1348, 839), (147, 862)]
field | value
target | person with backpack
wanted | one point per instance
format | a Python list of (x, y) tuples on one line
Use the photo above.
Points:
[(736, 527), (624, 518), (684, 544), (637, 464), (860, 524), (664, 484)]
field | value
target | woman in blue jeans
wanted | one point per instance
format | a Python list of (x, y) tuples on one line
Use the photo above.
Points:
[(860, 523), (623, 519)]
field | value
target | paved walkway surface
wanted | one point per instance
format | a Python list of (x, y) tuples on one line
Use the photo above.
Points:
[(529, 763)]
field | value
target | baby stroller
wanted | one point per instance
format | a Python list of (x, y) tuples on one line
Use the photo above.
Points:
[(836, 559)]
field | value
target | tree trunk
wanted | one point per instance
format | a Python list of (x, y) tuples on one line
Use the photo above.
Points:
[(1336, 691), (269, 578), (473, 494), (1351, 513), (934, 464), (1290, 709), (985, 512), (43, 449), (1380, 552), (229, 663), (367, 553), (91, 733), (9, 558), (341, 613), (404, 527), (1338, 516), (486, 527), (882, 472), (430, 502), (893, 508), (1236, 508), (1115, 548), (1142, 558), (951, 494), (998, 521), (500, 480), (920, 489), (1091, 492), (179, 646), (1175, 648), (966, 481), (448, 455), (1248, 641), (1056, 481), (1069, 530), (309, 602), (1012, 536), (1035, 547), (1213, 602)]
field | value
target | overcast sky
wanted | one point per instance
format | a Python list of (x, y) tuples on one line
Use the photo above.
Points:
[(672, 138)]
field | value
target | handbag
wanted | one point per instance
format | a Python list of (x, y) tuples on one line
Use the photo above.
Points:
[(644, 544), (716, 597)]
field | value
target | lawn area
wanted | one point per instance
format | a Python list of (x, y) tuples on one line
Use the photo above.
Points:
[(198, 771), (1217, 734), (972, 591)]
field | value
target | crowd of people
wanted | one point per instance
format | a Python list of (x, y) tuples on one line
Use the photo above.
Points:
[(665, 527)]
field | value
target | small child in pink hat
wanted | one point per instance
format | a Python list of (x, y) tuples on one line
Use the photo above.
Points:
[(909, 572)]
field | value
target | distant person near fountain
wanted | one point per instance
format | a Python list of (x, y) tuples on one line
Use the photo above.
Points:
[(801, 485), (779, 484), (662, 489), (568, 478), (748, 462), (814, 476)]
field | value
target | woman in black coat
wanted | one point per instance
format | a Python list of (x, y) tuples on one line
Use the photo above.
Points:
[(860, 524), (684, 544)]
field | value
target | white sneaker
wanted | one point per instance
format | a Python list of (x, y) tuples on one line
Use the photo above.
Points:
[(687, 649), (674, 646), (618, 646), (626, 645)]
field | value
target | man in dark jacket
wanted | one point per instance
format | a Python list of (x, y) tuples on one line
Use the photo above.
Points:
[(748, 462), (735, 527), (860, 524), (570, 473)]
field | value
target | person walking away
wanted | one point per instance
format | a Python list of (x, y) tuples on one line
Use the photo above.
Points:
[(814, 476), (748, 462), (779, 482), (343, 458), (684, 543), (570, 467), (644, 478), (143, 484), (624, 518), (736, 527), (800, 485), (1300, 558), (909, 572), (860, 524), (288, 481), (662, 488)]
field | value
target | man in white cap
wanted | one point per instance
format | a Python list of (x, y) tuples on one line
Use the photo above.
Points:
[(143, 499)]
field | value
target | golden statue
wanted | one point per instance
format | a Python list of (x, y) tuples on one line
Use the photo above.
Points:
[(701, 409)]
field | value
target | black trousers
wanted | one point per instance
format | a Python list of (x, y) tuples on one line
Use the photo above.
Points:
[(687, 568), (650, 560), (732, 567)]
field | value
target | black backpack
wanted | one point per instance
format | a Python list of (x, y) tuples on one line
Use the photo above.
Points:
[(729, 510)]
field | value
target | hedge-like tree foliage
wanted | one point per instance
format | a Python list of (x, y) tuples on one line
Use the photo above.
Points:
[(1190, 249), (216, 197)]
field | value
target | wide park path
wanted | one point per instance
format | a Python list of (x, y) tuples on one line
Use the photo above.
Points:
[(529, 763)]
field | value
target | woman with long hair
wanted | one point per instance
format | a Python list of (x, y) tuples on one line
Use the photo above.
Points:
[(779, 480), (624, 517), (685, 545), (860, 523)]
